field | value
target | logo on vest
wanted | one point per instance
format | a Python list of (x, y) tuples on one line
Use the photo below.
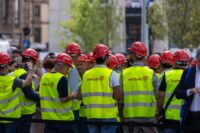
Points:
[(175, 81), (3, 88), (48, 84), (100, 78), (144, 78)]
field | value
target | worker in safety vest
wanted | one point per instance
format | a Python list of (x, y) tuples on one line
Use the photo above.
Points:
[(139, 83), (91, 60), (100, 92), (121, 59), (55, 96), (9, 93), (82, 65), (28, 97), (112, 62), (153, 62), (169, 82), (166, 62), (74, 50)]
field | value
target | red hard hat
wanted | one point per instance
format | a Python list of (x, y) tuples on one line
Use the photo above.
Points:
[(64, 58), (181, 56), (30, 53), (154, 61), (73, 48), (167, 58), (139, 49), (121, 59), (112, 62), (82, 58), (100, 50), (90, 57), (4, 58)]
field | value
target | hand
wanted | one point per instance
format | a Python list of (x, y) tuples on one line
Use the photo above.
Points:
[(39, 64), (74, 94), (195, 90), (30, 66)]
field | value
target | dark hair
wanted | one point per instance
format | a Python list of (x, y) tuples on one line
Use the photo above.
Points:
[(165, 65), (49, 63), (101, 60)]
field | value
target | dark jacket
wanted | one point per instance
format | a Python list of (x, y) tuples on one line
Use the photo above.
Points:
[(184, 85)]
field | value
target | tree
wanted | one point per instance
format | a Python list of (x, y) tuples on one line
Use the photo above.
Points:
[(178, 20), (92, 22)]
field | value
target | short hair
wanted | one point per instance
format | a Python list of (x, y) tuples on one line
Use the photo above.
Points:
[(198, 52)]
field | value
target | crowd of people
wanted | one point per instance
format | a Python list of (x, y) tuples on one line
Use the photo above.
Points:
[(100, 86)]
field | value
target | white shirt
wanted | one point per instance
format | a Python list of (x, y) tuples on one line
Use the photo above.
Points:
[(114, 81), (195, 106)]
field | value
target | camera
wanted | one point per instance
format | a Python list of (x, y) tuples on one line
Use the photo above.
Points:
[(22, 65)]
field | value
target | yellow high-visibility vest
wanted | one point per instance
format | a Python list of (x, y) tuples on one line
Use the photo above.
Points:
[(139, 95), (9, 101), (97, 94), (172, 79), (27, 106), (51, 107)]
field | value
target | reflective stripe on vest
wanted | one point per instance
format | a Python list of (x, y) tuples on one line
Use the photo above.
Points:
[(139, 95), (9, 101), (100, 106), (97, 94), (27, 106), (139, 104), (52, 108), (56, 110), (172, 79)]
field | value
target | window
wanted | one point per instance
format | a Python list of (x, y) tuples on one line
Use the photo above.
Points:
[(5, 9), (16, 11), (36, 11), (37, 35)]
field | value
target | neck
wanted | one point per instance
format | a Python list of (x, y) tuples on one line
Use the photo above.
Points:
[(56, 69), (3, 72)]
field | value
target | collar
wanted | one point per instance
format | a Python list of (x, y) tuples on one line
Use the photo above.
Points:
[(138, 63), (2, 74), (100, 65)]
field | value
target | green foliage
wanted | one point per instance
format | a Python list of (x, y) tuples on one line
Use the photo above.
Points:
[(92, 22), (180, 18)]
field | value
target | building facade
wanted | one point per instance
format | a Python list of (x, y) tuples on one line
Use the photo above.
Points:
[(24, 19)]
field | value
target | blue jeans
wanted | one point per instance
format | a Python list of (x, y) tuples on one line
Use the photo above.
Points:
[(58, 128), (8, 128), (171, 130), (24, 127), (82, 127), (102, 129), (76, 117)]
